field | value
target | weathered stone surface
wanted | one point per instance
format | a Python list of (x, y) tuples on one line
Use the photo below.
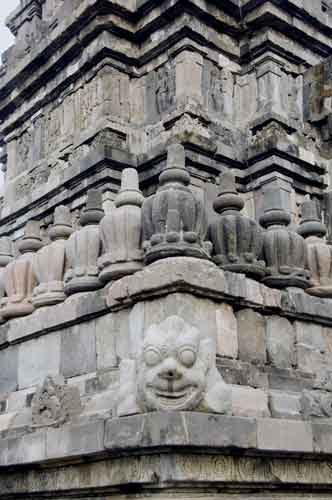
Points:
[(20, 278), (175, 371), (227, 333), (249, 402), (37, 359), (251, 327), (280, 339), (75, 440), (237, 240), (78, 350), (186, 429), (9, 370), (92, 88), (121, 231), (50, 261), (319, 253), (282, 435), (83, 248), (284, 251), (54, 403), (283, 405), (174, 221), (106, 337)]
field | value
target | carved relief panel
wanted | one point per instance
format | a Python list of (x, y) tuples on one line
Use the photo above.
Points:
[(220, 101), (105, 93)]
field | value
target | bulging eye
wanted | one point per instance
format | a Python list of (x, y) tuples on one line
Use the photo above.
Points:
[(151, 356), (187, 356)]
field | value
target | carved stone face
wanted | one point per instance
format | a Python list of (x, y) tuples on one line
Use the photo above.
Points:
[(173, 368)]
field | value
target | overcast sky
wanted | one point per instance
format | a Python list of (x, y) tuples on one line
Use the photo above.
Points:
[(6, 7)]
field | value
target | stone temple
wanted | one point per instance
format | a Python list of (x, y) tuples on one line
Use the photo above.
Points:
[(166, 250)]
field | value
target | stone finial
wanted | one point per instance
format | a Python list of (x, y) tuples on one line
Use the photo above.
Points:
[(19, 277), (284, 251), (55, 403), (62, 227), (6, 256), (93, 211), (176, 371), (83, 248), (237, 240), (121, 231), (49, 263), (319, 252), (174, 221), (31, 241)]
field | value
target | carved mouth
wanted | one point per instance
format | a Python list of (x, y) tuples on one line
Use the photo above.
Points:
[(175, 399)]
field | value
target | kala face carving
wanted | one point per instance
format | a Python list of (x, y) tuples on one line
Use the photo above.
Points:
[(174, 365)]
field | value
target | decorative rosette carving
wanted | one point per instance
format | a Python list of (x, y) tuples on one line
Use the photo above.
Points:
[(237, 240), (174, 221), (121, 231)]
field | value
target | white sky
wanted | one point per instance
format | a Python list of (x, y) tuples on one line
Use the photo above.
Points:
[(6, 7)]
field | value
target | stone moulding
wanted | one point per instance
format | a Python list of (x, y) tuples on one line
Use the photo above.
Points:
[(162, 278), (181, 432)]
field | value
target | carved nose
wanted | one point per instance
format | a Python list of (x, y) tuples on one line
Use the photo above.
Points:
[(170, 372)]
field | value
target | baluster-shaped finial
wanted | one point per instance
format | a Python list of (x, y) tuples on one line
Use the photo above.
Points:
[(237, 240), (121, 231), (83, 248), (284, 250), (19, 277), (6, 256), (319, 252), (174, 221), (49, 263)]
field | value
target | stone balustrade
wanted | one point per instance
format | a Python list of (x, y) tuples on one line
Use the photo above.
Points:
[(139, 231)]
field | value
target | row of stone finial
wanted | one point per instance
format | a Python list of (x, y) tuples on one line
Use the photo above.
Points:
[(172, 222)]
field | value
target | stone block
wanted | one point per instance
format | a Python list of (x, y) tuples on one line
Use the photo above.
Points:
[(180, 429), (227, 339), (18, 400), (280, 339), (309, 359), (310, 335), (31, 448), (249, 402), (105, 342), (237, 372), (38, 358), (197, 311), (78, 349), (322, 435), (9, 369), (284, 435), (285, 405), (220, 431), (102, 403), (251, 336), (6, 420), (75, 440)]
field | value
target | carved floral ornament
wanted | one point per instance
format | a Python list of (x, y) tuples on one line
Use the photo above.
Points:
[(138, 231)]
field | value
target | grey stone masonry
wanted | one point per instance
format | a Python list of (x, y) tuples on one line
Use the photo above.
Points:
[(165, 250)]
